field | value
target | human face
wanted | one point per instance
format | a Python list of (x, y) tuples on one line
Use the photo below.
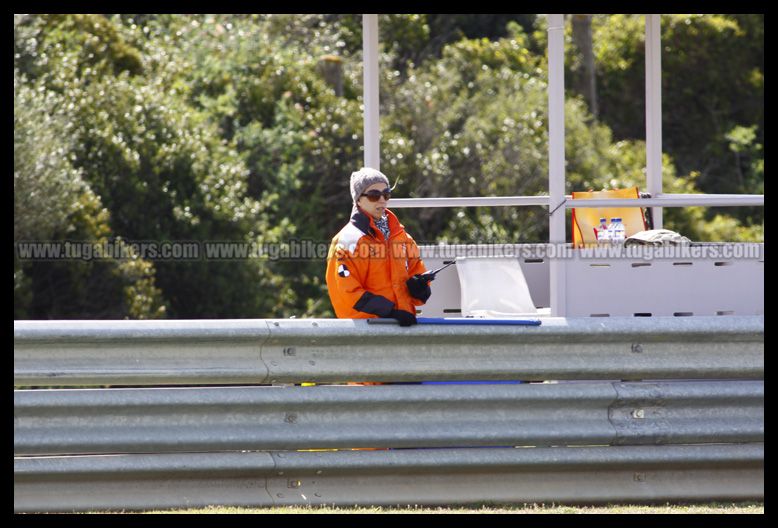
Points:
[(374, 209)]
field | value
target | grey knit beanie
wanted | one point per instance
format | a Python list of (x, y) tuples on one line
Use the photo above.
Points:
[(364, 178)]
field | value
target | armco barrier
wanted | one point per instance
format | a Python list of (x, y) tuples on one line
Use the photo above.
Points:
[(277, 418), (665, 409), (403, 476), (72, 353)]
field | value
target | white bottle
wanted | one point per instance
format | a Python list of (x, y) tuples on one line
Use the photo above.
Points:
[(618, 234), (603, 233)]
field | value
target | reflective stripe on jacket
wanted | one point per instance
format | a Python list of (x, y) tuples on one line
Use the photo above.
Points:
[(366, 273)]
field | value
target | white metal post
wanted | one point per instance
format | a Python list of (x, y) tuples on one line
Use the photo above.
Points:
[(370, 90), (654, 112), (556, 159)]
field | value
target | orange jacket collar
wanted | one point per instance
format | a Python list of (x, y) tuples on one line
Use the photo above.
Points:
[(365, 223)]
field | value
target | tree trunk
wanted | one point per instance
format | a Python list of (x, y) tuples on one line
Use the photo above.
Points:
[(585, 81), (331, 68)]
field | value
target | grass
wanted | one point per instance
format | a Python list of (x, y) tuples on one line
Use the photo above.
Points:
[(717, 507)]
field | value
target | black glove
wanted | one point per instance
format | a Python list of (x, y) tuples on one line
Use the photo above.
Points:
[(405, 318), (419, 287)]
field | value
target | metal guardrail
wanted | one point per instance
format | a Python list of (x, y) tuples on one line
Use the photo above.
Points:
[(570, 475), (693, 433), (267, 351), (241, 418)]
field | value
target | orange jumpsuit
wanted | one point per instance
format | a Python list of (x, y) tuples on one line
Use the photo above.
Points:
[(366, 273)]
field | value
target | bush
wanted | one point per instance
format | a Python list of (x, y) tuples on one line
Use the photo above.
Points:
[(53, 202)]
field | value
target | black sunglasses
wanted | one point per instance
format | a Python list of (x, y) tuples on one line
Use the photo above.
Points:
[(374, 195)]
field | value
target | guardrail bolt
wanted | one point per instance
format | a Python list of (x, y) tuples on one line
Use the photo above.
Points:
[(639, 477), (289, 351), (294, 484), (639, 414), (290, 418), (637, 348)]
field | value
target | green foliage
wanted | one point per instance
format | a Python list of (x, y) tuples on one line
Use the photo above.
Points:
[(46, 185), (164, 172), (53, 202), (474, 124), (410, 38), (103, 288), (67, 46), (298, 140), (449, 28), (437, 145), (713, 80)]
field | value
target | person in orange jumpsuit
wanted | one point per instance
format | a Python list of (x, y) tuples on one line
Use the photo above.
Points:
[(373, 264)]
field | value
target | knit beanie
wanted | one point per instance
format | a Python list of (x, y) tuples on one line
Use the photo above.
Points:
[(364, 178)]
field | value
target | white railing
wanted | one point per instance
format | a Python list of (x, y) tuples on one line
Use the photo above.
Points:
[(662, 200)]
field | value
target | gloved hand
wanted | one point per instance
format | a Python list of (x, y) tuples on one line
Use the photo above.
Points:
[(419, 287), (405, 318)]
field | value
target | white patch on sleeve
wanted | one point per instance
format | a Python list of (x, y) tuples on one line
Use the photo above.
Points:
[(349, 236)]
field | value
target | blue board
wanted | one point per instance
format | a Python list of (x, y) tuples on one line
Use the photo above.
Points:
[(459, 321), (494, 382), (477, 321)]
